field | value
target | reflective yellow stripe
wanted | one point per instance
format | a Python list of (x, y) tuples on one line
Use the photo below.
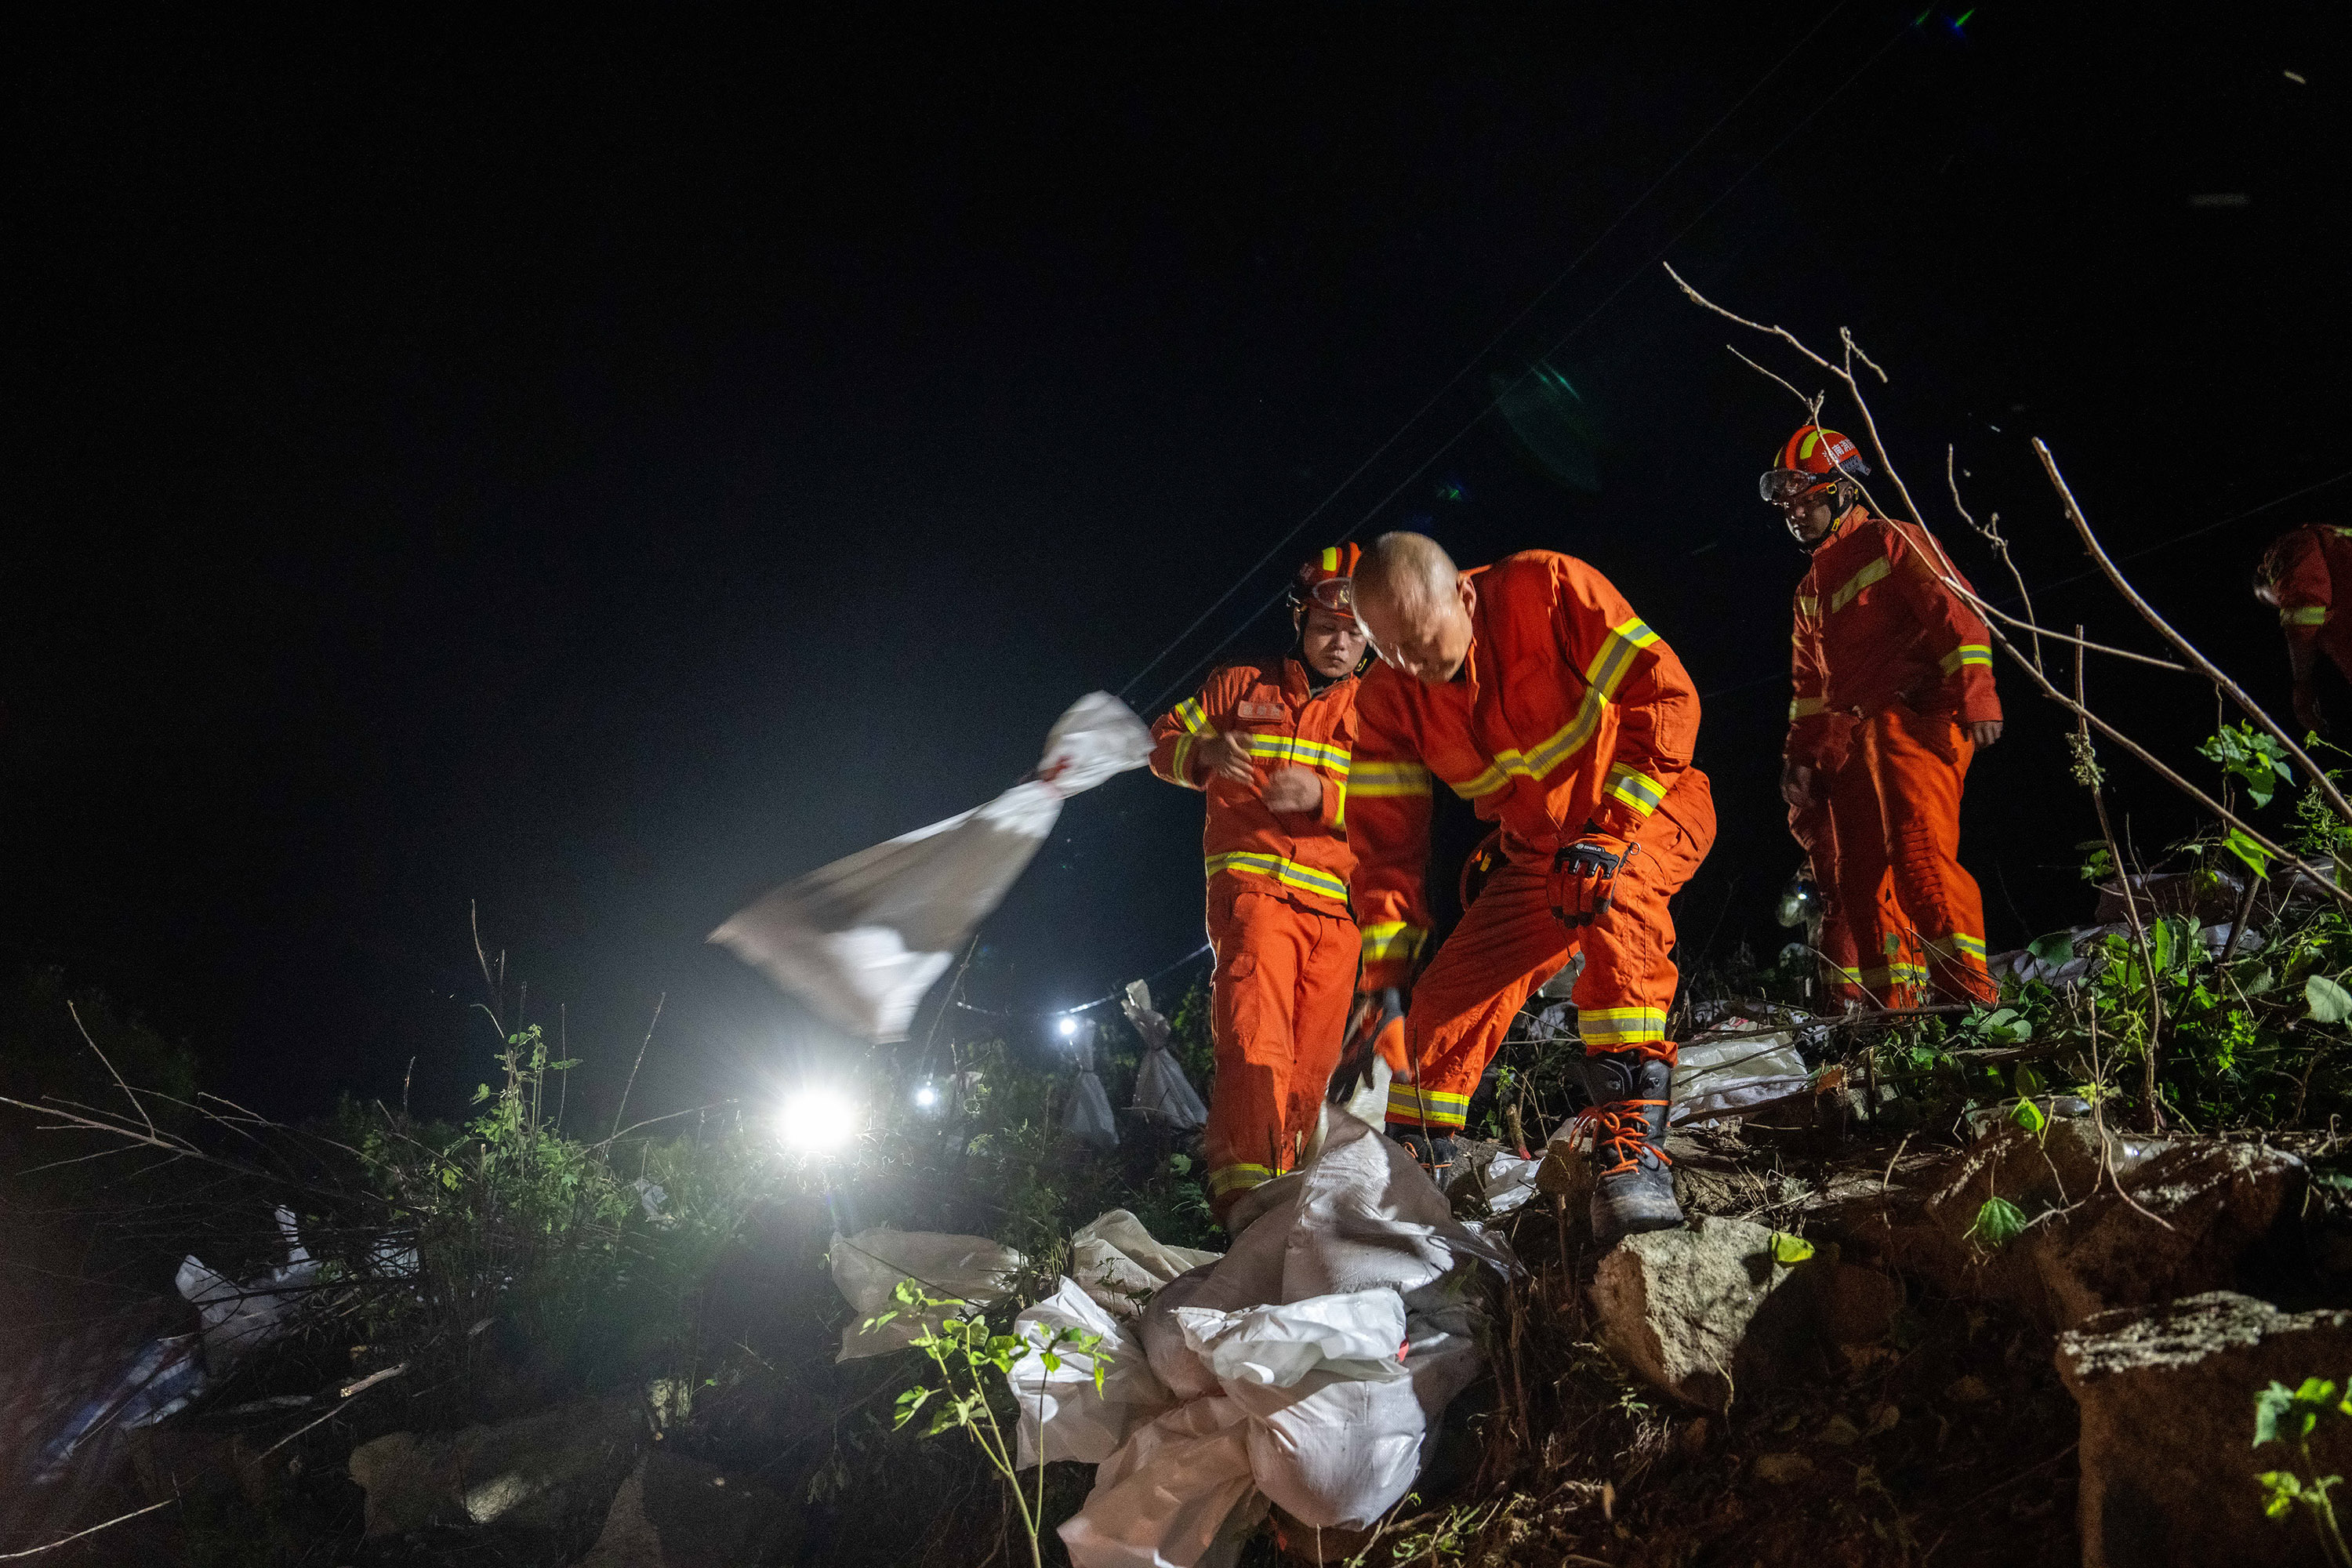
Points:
[(1331, 558), (1858, 582), (2308, 615), (1239, 1178), (1289, 873), (1966, 653), (1180, 761), (1806, 707), (1635, 789), (1958, 942), (1193, 717), (1620, 1026), (1410, 1102), (1289, 749), (1808, 605), (1608, 669), (1386, 779), (1391, 939), (1479, 788)]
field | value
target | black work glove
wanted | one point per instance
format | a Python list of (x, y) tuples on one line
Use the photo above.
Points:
[(1584, 875), (1377, 1014)]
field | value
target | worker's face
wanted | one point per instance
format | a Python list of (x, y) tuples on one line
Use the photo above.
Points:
[(1429, 641), (1333, 643), (1812, 514)]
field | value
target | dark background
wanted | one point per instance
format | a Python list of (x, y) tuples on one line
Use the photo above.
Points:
[(602, 472)]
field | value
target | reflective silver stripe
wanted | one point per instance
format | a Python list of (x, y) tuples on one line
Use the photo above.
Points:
[(1289, 873), (1371, 779)]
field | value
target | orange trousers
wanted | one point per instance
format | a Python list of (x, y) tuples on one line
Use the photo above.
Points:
[(1278, 1011), (1912, 915), (1509, 943)]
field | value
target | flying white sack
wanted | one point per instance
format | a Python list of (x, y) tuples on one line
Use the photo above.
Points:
[(861, 939)]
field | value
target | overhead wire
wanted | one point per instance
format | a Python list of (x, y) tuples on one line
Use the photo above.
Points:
[(1557, 344), (1469, 365)]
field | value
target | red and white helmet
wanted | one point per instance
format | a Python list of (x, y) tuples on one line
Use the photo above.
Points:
[(1808, 459), (1328, 578)]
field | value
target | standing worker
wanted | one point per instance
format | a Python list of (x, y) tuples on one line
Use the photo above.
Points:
[(1531, 689), (2297, 578), (1269, 745), (1894, 695)]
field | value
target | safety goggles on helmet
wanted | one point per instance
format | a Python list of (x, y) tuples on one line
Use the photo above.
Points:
[(1334, 594), (1781, 485)]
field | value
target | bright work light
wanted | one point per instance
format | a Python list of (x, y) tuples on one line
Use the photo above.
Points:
[(818, 1119), (1069, 1027), (927, 1096)]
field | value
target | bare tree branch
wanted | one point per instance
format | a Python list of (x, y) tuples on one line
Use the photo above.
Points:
[(2206, 667)]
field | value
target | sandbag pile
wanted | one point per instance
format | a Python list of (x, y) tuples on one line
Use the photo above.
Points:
[(1306, 1367)]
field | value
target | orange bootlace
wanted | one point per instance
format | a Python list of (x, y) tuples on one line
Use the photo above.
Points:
[(1621, 1125)]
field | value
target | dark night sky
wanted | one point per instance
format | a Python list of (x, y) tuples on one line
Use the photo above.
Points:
[(604, 472)]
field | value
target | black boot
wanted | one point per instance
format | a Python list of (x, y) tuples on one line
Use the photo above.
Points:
[(1635, 1191), (1434, 1149)]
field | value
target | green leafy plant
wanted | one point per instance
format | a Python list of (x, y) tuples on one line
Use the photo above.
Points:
[(2290, 1415), (2256, 760), (966, 1352), (1998, 1223)]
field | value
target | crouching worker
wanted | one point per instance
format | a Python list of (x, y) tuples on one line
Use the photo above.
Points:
[(1269, 745), (1892, 697), (1531, 689)]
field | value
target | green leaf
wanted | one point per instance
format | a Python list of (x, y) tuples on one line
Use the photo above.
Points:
[(2029, 1115), (2160, 945), (2270, 1405), (2056, 948), (1998, 1223), (2026, 1081), (2329, 1003), (1790, 1251), (1182, 1164), (2256, 857)]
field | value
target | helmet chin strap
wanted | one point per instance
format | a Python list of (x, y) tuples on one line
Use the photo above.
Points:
[(1843, 496)]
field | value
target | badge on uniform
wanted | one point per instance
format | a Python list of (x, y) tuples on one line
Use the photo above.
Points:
[(1260, 713)]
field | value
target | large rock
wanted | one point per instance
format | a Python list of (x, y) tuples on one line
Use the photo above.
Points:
[(2168, 1400), (550, 1471), (676, 1512), (2213, 1202), (1703, 1311)]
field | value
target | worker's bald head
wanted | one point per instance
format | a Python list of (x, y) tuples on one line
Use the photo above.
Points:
[(1416, 604)]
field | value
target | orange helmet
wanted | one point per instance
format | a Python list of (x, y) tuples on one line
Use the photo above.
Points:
[(1812, 458), (1327, 578)]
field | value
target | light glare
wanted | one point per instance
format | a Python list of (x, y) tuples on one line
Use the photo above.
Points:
[(1069, 1027), (818, 1119), (927, 1096)]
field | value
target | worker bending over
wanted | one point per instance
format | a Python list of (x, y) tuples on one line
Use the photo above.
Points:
[(1894, 695), (2297, 577), (1531, 689), (1269, 745)]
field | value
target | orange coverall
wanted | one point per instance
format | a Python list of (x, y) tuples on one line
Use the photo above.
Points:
[(1889, 665), (2306, 566), (1568, 711), (1279, 916)]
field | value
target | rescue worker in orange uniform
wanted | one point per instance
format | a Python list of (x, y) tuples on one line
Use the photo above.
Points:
[(1530, 689), (2297, 577), (1270, 745), (1894, 697)]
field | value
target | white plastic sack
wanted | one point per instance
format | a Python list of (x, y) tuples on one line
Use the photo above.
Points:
[(867, 1268), (861, 939), (1163, 1092), (240, 1319), (1117, 1263), (1061, 1416), (1308, 1364), (1722, 1077), (1088, 1116)]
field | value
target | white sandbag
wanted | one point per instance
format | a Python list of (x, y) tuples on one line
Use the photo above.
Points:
[(861, 939), (867, 1268), (1356, 1335), (1061, 1414), (1370, 1104), (1119, 1263), (1335, 1451), (1369, 1214), (238, 1318), (1726, 1077), (1177, 1494), (1163, 1092), (1088, 1116), (1505, 1180)]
